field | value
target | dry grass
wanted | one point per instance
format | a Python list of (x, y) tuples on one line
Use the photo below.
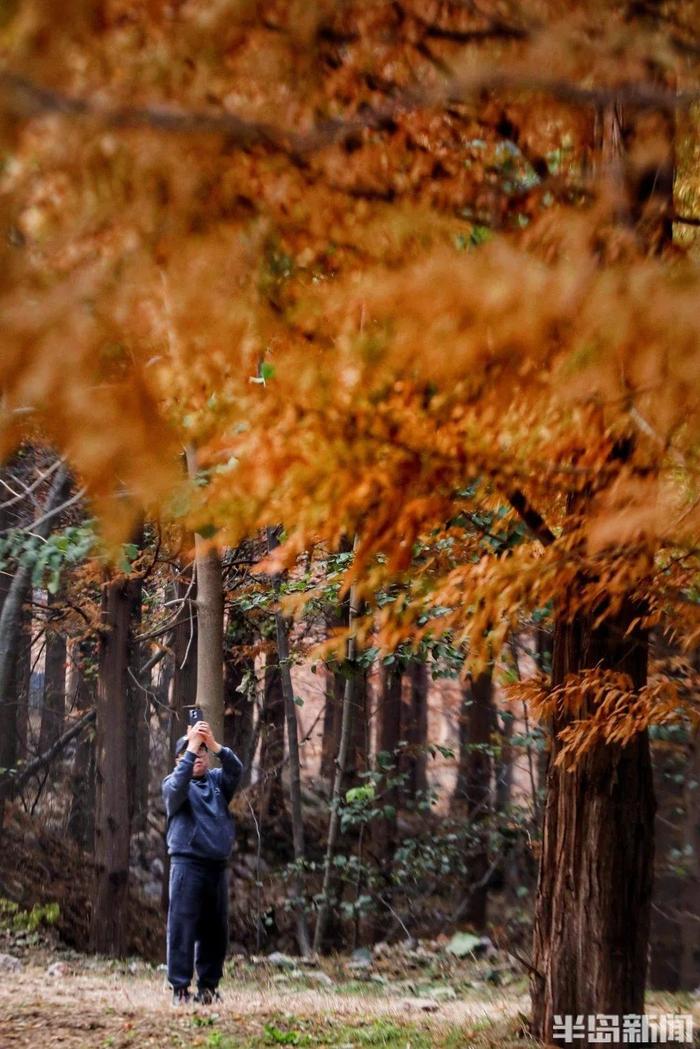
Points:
[(103, 1009)]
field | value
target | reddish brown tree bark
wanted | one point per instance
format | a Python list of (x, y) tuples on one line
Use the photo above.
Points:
[(592, 914), (271, 743), (108, 928), (472, 794), (383, 828), (415, 720), (594, 893)]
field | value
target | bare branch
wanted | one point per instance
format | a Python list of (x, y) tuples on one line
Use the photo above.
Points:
[(25, 98), (28, 489), (16, 782), (56, 510)]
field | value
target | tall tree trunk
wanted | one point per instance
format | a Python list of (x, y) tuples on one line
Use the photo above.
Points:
[(690, 954), (504, 762), (183, 688), (239, 690), (383, 828), (667, 918), (138, 706), (594, 893), (11, 626), (344, 737), (290, 709), (472, 794), (670, 759), (271, 797), (108, 928), (210, 627), (54, 706), (332, 718), (81, 816), (184, 682), (336, 618), (592, 914), (415, 762), (23, 681), (360, 746), (210, 638), (543, 657)]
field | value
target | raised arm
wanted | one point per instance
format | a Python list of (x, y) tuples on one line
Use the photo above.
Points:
[(231, 765), (231, 771), (175, 786)]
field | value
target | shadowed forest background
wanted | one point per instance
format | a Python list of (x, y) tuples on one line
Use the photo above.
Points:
[(350, 382)]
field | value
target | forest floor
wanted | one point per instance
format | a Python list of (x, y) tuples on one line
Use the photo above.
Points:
[(81, 1002), (87, 1003)]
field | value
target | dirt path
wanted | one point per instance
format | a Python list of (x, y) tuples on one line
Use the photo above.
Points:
[(113, 1011)]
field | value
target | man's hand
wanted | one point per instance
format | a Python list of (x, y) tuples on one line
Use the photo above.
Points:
[(196, 735), (211, 743)]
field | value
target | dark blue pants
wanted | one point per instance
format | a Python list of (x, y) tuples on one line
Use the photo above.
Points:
[(197, 922)]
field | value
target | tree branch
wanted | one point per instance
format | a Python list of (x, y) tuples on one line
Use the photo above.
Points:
[(25, 98), (531, 517), (16, 782)]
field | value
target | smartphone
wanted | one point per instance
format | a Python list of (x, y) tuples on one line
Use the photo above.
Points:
[(194, 714)]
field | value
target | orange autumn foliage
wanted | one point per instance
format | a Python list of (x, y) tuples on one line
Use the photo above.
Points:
[(260, 230)]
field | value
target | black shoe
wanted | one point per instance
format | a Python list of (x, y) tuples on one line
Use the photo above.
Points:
[(207, 996), (181, 996)]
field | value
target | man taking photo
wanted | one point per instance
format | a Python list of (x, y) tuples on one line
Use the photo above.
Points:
[(200, 838)]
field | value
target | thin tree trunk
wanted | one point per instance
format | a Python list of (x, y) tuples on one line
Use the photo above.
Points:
[(184, 682), (183, 689), (81, 816), (389, 735), (210, 627), (504, 762), (472, 794), (239, 706), (667, 919), (210, 637), (138, 706), (108, 928), (54, 706), (10, 630), (383, 831), (345, 736), (415, 762), (8, 741), (23, 681), (271, 800), (543, 650), (360, 746), (336, 618), (282, 632), (335, 690)]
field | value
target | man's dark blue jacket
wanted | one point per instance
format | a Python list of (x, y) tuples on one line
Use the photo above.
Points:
[(200, 826)]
